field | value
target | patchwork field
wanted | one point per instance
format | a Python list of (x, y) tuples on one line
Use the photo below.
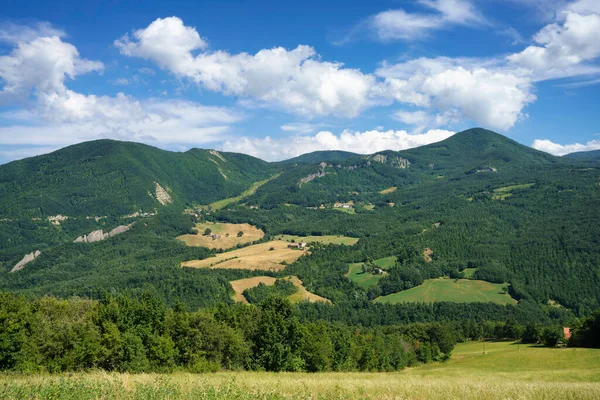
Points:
[(365, 281), (328, 239), (302, 294), (504, 192), (459, 291), (264, 257), (506, 371), (228, 235)]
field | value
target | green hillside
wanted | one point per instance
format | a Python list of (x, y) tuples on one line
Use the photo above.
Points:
[(585, 155), (320, 156), (107, 178), (477, 203)]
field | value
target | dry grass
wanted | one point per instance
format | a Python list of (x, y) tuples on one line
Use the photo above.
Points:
[(302, 294), (506, 371), (388, 190), (256, 257), (227, 232), (327, 239)]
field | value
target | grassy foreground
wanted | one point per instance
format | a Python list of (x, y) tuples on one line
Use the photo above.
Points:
[(506, 371)]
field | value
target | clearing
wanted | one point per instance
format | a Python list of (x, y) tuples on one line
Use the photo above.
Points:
[(506, 371), (227, 235), (504, 192), (366, 280), (217, 205), (468, 272), (255, 257), (456, 291), (328, 239), (302, 294), (388, 190)]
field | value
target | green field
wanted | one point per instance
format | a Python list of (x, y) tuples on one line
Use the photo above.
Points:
[(365, 281), (217, 205), (506, 191), (506, 371), (468, 272), (443, 289), (327, 239)]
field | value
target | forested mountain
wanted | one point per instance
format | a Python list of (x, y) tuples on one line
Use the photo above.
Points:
[(477, 200), (585, 155), (320, 156), (112, 178)]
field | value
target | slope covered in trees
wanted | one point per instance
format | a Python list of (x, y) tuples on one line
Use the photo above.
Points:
[(476, 200)]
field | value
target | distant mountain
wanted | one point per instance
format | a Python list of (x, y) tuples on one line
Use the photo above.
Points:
[(585, 155), (331, 156), (469, 152), (107, 177)]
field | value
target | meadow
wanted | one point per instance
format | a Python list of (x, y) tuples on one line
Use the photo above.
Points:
[(457, 291), (366, 280), (326, 239), (506, 371), (228, 235), (302, 294), (269, 256)]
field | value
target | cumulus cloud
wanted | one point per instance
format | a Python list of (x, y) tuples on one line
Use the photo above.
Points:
[(459, 89), (401, 25), (560, 149), (295, 80), (36, 71), (359, 142), (563, 48)]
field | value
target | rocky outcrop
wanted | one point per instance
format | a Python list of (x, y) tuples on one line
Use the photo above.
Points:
[(26, 260), (162, 195), (310, 177), (96, 236), (217, 154)]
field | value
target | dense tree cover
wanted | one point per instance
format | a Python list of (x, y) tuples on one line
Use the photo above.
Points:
[(542, 238), (281, 288), (111, 178), (138, 333), (587, 332)]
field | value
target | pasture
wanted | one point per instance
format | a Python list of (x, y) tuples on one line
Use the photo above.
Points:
[(302, 294), (504, 192), (456, 291), (366, 280), (505, 371), (228, 235), (327, 239), (267, 256)]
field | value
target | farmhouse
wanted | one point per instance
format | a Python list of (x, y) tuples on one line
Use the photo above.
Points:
[(300, 245), (213, 236)]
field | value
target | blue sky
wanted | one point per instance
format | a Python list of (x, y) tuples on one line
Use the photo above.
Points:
[(276, 79)]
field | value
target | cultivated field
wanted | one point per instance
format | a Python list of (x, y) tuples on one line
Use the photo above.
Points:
[(255, 257), (504, 192), (365, 281), (506, 371), (444, 289), (302, 294), (328, 239), (227, 235), (388, 190)]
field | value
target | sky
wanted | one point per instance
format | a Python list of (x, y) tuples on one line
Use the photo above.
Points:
[(276, 79)]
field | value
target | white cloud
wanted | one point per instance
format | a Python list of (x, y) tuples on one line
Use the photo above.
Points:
[(295, 80), (13, 33), (563, 48), (359, 142), (459, 89), (42, 64), (299, 127), (560, 150), (399, 24), (36, 72)]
